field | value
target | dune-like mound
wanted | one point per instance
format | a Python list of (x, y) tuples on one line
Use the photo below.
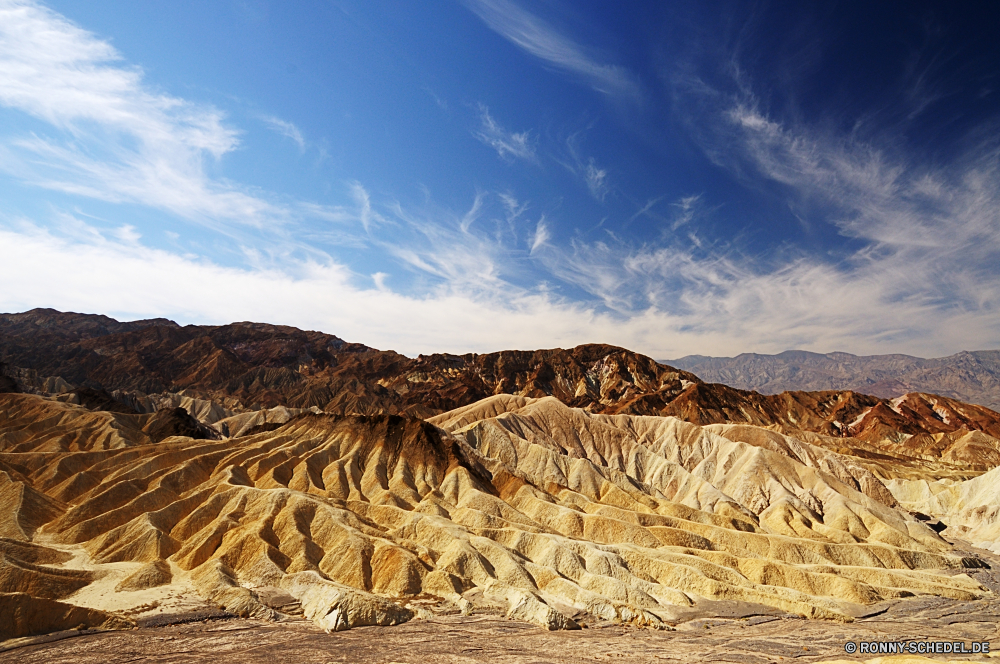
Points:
[(151, 575), (555, 514)]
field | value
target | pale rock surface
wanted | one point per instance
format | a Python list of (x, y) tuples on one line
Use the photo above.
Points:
[(336, 607), (970, 509), (549, 510)]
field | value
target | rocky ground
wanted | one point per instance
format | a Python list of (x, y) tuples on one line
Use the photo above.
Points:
[(492, 638)]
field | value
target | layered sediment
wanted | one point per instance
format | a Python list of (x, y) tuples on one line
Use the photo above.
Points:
[(557, 514), (149, 471)]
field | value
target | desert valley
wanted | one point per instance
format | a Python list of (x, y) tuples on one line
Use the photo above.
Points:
[(520, 331), (179, 481)]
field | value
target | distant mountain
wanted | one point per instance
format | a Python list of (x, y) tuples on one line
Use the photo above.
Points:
[(973, 377), (68, 326), (215, 372), (254, 365)]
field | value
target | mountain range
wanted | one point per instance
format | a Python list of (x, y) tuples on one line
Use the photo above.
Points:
[(972, 376), (143, 365)]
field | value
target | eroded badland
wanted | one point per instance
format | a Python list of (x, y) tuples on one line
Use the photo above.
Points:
[(258, 493)]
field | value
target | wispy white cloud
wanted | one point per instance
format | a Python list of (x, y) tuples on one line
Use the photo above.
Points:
[(323, 294), (116, 138), (441, 103), (542, 235), (513, 210), (685, 211), (365, 214), (513, 207), (645, 209), (665, 301), (507, 144), (286, 129), (920, 276), (470, 217), (310, 294), (681, 213), (904, 210), (572, 159), (62, 74), (596, 180), (537, 37)]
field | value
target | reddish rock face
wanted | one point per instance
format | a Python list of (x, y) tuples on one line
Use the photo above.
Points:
[(254, 365), (266, 365)]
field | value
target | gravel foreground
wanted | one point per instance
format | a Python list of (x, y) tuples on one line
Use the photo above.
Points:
[(492, 638)]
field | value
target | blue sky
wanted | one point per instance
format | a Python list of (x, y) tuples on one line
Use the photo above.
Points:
[(676, 178)]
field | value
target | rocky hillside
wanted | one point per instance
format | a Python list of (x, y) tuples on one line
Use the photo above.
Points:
[(252, 366), (151, 471), (217, 372), (552, 514)]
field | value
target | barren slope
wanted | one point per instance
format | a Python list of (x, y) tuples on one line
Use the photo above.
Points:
[(216, 372), (556, 514)]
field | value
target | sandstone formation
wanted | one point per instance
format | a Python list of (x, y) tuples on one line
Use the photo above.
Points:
[(148, 468), (552, 512), (970, 508), (22, 614)]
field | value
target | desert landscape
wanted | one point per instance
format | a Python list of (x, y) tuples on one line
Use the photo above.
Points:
[(262, 493), (530, 331)]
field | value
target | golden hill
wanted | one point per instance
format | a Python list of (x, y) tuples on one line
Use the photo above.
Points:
[(556, 514)]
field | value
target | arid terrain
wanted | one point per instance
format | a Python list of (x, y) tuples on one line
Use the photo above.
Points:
[(262, 493), (971, 376)]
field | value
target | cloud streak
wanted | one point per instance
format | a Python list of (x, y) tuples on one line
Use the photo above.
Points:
[(597, 180), (541, 237), (507, 144), (595, 177), (535, 36), (914, 218), (286, 129)]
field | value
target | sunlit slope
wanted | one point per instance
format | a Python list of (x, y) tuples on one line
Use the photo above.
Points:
[(547, 509), (970, 509)]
